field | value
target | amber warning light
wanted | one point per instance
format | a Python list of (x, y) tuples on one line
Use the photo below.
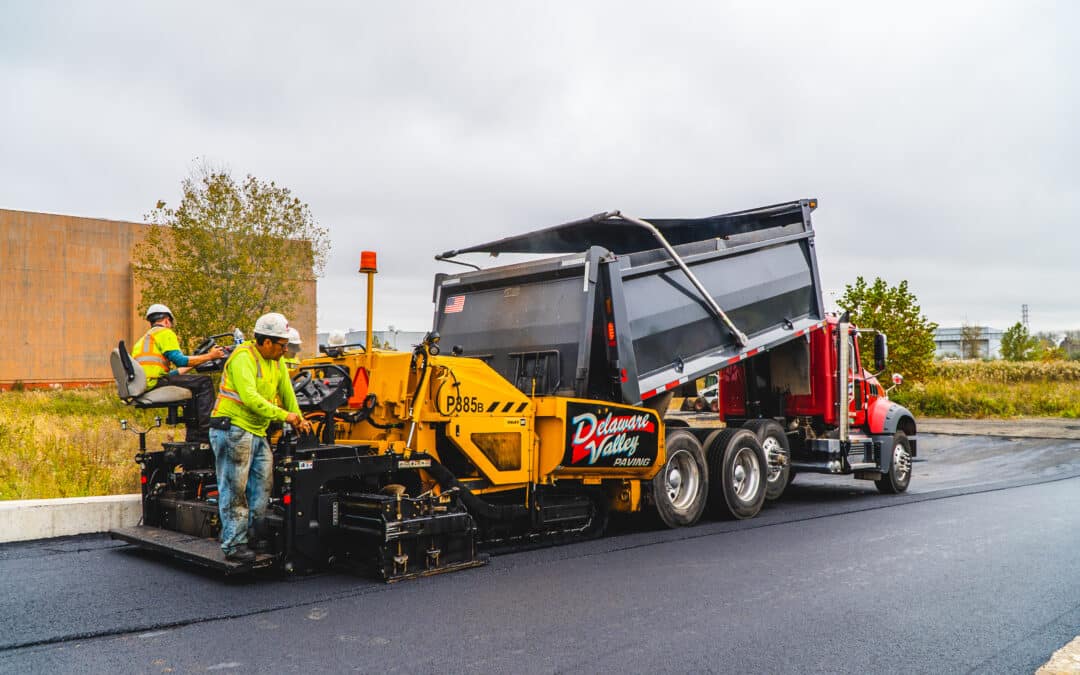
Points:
[(367, 261)]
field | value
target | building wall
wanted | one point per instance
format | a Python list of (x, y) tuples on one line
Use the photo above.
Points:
[(949, 342), (68, 295)]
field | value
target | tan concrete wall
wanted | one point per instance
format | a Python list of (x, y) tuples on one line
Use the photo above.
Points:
[(67, 295)]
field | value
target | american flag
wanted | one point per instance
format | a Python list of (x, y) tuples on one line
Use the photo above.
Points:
[(454, 304)]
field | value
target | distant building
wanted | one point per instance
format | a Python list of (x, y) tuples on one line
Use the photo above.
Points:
[(949, 343), (1071, 347), (399, 340)]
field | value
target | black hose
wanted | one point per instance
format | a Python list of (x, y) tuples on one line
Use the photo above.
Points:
[(420, 380), (475, 504), (395, 425)]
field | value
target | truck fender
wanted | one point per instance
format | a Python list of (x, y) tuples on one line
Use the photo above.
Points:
[(886, 418)]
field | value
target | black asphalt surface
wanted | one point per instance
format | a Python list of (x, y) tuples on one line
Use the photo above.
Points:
[(975, 569)]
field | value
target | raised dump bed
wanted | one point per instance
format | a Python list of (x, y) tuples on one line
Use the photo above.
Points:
[(632, 308)]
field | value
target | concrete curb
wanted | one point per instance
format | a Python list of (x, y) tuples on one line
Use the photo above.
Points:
[(26, 519)]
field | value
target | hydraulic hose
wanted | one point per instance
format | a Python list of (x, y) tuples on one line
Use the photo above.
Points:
[(474, 503)]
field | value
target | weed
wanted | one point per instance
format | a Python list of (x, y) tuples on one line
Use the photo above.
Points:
[(989, 390), (68, 444)]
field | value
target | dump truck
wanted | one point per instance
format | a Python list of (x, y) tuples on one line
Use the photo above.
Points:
[(547, 415)]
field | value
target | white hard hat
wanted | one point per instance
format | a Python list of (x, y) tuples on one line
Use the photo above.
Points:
[(158, 308), (336, 339), (272, 324), (294, 337)]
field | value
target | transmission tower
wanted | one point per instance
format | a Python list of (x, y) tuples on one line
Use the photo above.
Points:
[(1024, 314)]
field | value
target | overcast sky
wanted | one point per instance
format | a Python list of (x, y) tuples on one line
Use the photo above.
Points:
[(941, 138)]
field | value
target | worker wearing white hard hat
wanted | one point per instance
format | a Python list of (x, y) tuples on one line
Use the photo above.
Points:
[(255, 377), (158, 352), (292, 350)]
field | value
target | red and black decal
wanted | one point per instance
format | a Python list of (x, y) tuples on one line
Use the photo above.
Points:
[(610, 436)]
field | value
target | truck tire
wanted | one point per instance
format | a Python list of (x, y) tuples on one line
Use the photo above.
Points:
[(899, 475), (737, 473), (682, 486), (774, 442)]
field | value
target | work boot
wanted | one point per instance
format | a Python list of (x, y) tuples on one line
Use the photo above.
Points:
[(241, 554)]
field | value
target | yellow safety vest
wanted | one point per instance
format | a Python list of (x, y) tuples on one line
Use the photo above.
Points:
[(254, 415), (148, 354)]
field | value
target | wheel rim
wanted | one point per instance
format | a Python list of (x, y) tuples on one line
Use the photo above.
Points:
[(745, 474), (773, 452), (901, 462), (681, 479)]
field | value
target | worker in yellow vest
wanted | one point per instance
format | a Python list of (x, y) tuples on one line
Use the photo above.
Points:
[(158, 351), (254, 376)]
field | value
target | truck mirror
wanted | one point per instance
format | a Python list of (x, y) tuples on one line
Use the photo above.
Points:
[(897, 378), (881, 351)]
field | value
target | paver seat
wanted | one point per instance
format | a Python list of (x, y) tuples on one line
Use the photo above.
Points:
[(131, 386)]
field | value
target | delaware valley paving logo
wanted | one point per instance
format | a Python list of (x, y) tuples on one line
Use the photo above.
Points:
[(605, 436)]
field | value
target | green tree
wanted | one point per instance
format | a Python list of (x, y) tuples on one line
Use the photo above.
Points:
[(229, 252), (895, 311), (970, 341), (1047, 348), (1017, 344)]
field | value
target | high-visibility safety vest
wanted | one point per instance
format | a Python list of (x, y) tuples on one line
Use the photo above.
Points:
[(150, 351), (249, 385)]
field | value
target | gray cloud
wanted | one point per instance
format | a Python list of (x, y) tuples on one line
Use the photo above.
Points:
[(940, 139)]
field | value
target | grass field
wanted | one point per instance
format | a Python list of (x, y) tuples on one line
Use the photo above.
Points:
[(69, 443), (995, 389)]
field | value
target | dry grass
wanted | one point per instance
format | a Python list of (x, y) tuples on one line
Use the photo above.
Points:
[(995, 389), (68, 444), (1007, 371)]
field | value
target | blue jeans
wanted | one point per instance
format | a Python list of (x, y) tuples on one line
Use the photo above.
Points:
[(245, 468)]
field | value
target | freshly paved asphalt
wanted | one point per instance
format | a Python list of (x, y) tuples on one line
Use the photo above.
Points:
[(975, 569)]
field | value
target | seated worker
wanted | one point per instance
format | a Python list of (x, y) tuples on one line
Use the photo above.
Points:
[(254, 376), (157, 351), (290, 358)]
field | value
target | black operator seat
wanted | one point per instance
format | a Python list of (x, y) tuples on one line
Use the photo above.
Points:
[(131, 386)]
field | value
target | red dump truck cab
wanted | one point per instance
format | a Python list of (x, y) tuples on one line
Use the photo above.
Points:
[(864, 390), (800, 385)]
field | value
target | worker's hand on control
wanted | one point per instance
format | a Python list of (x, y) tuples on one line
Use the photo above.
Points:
[(298, 422), (217, 352)]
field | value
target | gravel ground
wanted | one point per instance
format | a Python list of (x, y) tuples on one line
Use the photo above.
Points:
[(1023, 427)]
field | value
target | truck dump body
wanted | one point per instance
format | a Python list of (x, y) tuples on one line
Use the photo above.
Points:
[(619, 319)]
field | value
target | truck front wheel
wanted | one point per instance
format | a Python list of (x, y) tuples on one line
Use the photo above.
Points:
[(899, 475), (737, 473), (681, 487)]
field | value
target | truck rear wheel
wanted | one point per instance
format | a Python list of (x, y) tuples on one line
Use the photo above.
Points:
[(777, 453), (899, 475), (681, 487), (737, 473)]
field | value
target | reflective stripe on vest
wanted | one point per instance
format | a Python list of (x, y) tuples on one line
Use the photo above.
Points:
[(148, 354), (224, 390)]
